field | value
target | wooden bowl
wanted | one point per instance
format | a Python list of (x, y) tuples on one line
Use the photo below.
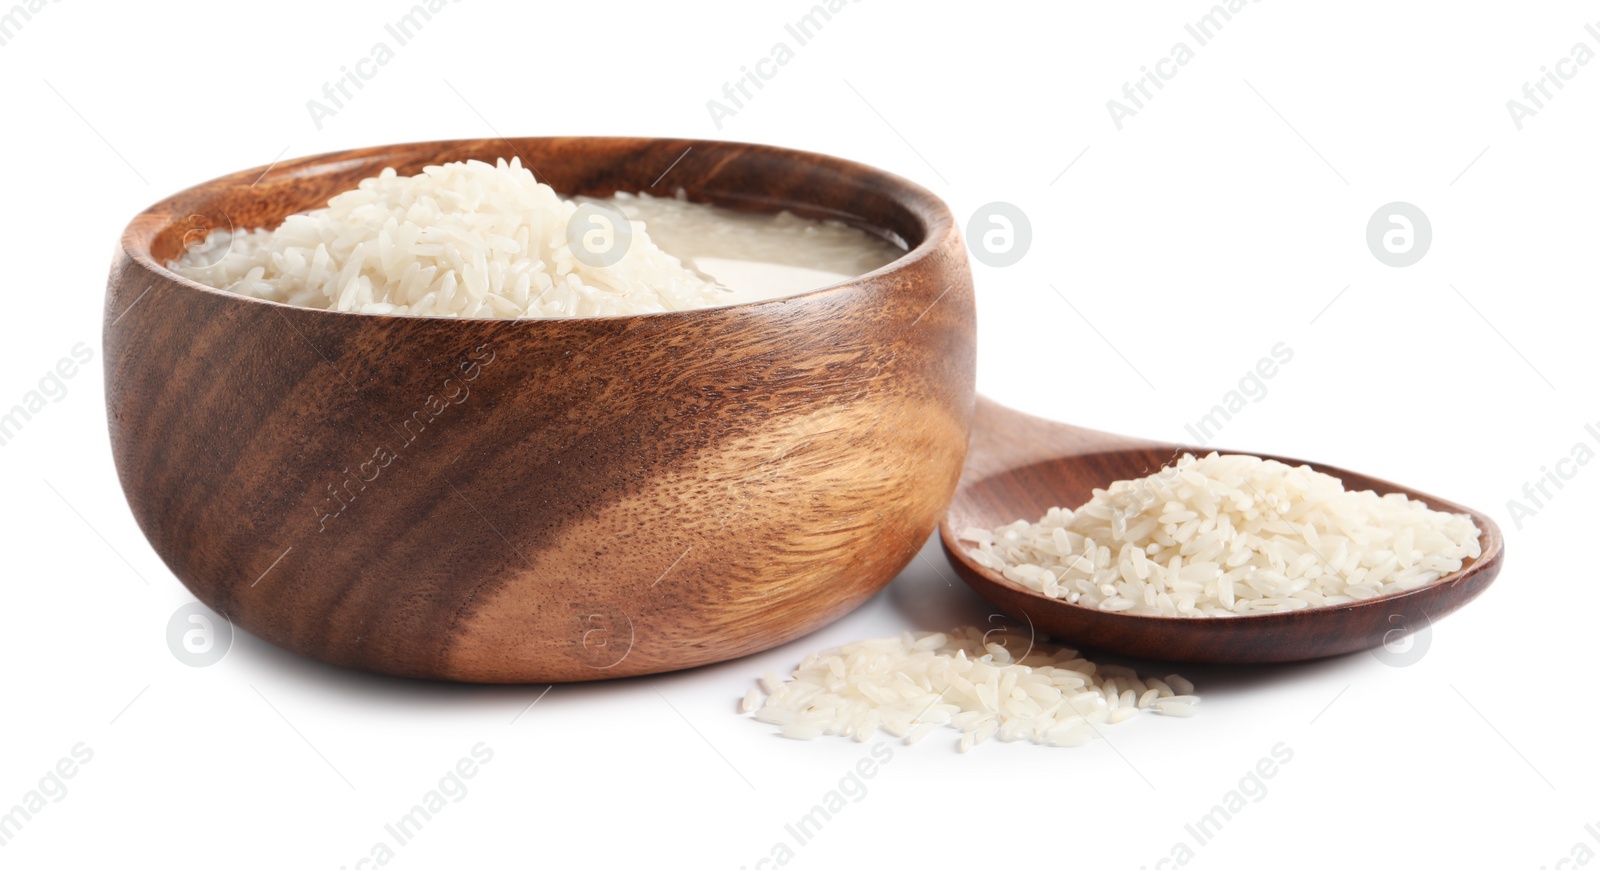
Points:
[(543, 500)]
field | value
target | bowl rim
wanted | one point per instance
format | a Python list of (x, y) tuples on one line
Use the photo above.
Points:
[(937, 221)]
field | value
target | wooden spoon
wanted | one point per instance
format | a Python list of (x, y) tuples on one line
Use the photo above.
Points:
[(1019, 466)]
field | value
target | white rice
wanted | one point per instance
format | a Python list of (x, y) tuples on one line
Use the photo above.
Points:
[(965, 679), (476, 240), (1228, 536)]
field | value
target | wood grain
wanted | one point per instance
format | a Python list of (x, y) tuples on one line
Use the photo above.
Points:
[(543, 500), (1020, 466)]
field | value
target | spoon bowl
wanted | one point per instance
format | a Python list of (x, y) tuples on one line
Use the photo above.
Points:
[(1019, 466)]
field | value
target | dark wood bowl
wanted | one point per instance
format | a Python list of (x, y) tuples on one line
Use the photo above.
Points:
[(1020, 466), (543, 500)]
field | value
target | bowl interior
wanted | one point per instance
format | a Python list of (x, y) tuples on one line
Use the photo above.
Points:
[(732, 175)]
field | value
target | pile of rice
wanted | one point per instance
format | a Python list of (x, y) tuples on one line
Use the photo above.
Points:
[(912, 684), (463, 239), (1228, 536)]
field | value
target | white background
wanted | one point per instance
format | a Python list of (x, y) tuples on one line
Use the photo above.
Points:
[(1223, 218)]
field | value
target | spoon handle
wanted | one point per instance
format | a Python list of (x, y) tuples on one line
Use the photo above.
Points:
[(1004, 439)]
